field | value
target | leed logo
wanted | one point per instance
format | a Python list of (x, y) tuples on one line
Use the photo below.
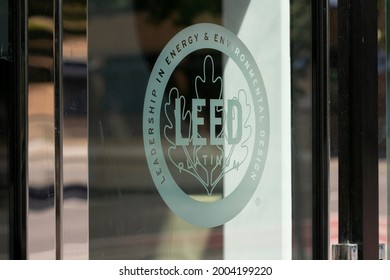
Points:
[(210, 155), (209, 135)]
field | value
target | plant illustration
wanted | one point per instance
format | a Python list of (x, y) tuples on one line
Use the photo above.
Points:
[(206, 161)]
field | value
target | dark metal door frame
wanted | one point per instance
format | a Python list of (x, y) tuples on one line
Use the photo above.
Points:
[(358, 126), (320, 129), (18, 129)]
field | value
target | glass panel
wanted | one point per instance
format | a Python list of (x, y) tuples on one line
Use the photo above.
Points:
[(210, 137), (301, 91)]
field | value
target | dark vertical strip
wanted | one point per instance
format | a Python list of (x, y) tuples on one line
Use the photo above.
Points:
[(344, 121), (18, 157), (320, 135), (5, 127), (58, 124), (358, 127)]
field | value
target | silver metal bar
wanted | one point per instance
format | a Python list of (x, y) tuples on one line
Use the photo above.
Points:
[(348, 251), (382, 251), (58, 158), (387, 13), (58, 126), (41, 216), (58, 151), (345, 251), (75, 131)]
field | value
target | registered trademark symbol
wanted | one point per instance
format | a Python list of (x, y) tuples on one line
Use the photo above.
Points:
[(258, 201)]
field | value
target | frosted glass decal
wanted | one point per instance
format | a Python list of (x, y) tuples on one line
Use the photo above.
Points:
[(207, 135)]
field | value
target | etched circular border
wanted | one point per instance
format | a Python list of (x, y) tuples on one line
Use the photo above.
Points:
[(195, 212)]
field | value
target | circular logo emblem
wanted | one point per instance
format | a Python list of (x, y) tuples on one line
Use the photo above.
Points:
[(206, 142)]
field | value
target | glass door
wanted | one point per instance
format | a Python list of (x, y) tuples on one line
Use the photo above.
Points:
[(189, 130), (169, 130)]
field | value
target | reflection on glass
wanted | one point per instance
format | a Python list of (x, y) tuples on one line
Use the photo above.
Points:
[(41, 214), (301, 92), (127, 217), (75, 149)]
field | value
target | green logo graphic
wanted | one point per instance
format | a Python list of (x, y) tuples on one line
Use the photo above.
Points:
[(209, 135)]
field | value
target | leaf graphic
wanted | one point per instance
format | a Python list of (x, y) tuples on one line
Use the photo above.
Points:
[(208, 84), (208, 159), (180, 139), (238, 153)]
